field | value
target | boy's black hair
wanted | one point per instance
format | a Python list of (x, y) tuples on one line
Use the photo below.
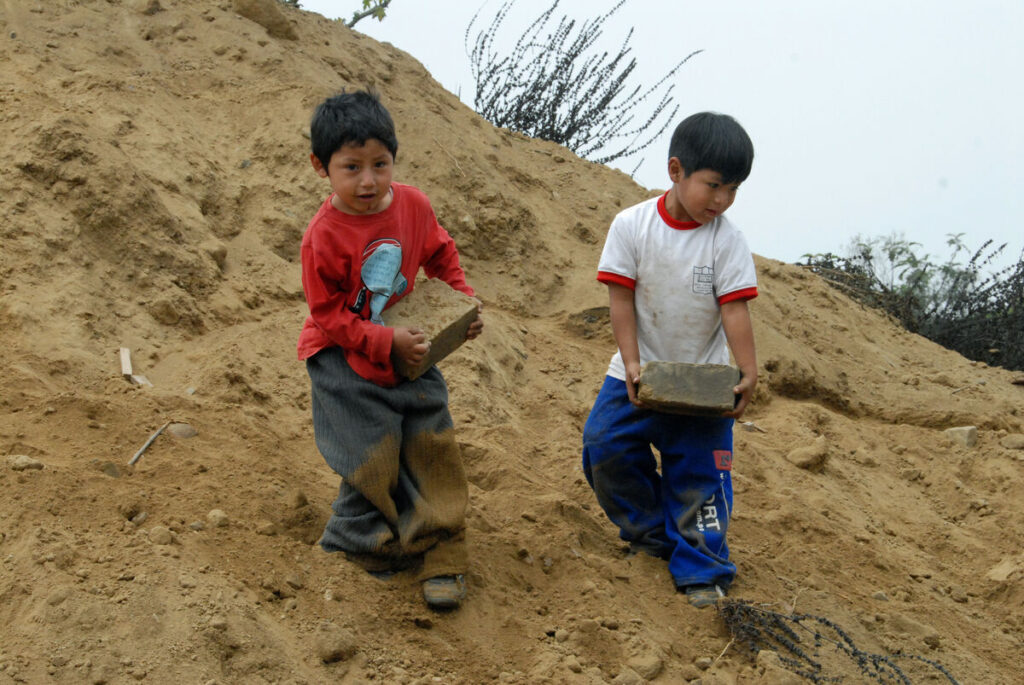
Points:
[(708, 140), (350, 118)]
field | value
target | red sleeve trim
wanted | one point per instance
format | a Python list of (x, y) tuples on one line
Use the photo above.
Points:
[(608, 277), (745, 294)]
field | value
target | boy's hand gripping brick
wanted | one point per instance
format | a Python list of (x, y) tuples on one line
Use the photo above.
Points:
[(442, 312), (680, 388)]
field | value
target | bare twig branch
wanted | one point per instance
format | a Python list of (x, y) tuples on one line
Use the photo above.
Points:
[(149, 442), (551, 85)]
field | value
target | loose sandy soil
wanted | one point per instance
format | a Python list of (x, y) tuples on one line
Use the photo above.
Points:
[(154, 191)]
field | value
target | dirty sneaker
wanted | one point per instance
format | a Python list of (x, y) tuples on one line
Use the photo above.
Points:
[(444, 592), (702, 596)]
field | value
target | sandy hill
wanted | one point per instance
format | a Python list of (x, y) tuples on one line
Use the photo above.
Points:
[(155, 187)]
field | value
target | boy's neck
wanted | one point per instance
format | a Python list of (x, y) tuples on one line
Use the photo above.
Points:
[(675, 209)]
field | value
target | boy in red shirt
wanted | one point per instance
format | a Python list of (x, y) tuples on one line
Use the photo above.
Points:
[(404, 493)]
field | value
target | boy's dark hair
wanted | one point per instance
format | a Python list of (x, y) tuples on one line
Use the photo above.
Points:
[(708, 140), (350, 118)]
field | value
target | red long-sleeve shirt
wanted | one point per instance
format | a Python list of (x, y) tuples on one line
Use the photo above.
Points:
[(338, 247)]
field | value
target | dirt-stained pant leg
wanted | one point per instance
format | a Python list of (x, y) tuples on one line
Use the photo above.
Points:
[(404, 490), (433, 479), (622, 470), (696, 465)]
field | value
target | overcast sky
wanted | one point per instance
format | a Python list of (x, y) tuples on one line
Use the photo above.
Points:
[(868, 117)]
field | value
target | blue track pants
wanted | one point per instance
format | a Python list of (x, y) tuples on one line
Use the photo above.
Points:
[(680, 514)]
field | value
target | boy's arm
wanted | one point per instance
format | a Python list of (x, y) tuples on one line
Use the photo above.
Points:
[(739, 331), (622, 311), (444, 263)]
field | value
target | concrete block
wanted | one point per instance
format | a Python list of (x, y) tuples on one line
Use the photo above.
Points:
[(442, 312), (680, 388)]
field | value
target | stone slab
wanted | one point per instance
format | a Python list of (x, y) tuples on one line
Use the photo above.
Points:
[(443, 313), (963, 435), (680, 388)]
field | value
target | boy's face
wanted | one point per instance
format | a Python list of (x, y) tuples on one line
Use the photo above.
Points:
[(699, 197), (360, 177)]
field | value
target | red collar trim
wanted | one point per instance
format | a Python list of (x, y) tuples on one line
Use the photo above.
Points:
[(672, 221)]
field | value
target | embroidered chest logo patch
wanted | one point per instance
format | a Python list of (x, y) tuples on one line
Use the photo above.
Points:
[(704, 280), (723, 460), (382, 277)]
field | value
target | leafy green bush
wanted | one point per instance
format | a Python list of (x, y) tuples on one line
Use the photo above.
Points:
[(966, 307)]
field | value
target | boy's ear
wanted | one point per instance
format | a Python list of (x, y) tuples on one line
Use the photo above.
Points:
[(318, 166), (675, 170)]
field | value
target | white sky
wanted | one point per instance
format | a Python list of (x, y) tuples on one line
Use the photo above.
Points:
[(868, 116)]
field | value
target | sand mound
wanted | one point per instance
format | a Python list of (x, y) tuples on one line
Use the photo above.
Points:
[(155, 190)]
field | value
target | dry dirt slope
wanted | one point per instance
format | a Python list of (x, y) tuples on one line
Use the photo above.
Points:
[(154, 192)]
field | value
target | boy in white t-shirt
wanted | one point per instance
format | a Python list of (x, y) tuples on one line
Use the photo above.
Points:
[(679, 275)]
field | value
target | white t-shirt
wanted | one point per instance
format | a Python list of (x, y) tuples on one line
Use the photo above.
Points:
[(680, 273)]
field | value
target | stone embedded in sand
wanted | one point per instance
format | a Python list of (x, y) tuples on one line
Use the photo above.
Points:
[(109, 468), (217, 518), (627, 676), (911, 474), (443, 313), (810, 457), (266, 528), (1013, 442), (1004, 570), (648, 665), (680, 388), (926, 633), (181, 430), (335, 644), (963, 435), (22, 462), (159, 535)]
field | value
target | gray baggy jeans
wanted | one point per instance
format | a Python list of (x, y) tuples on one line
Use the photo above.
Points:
[(404, 492)]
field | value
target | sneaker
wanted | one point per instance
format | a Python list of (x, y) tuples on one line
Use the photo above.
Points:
[(702, 596), (444, 592)]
